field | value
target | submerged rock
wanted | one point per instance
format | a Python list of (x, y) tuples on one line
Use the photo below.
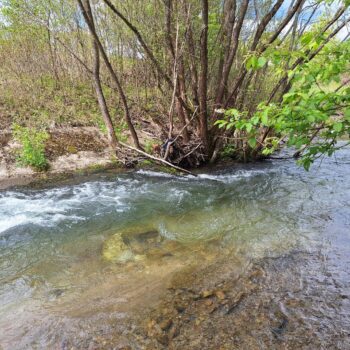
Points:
[(115, 250), (142, 242), (137, 243), (123, 246)]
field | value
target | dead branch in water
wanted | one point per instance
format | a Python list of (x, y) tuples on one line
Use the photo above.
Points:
[(160, 160)]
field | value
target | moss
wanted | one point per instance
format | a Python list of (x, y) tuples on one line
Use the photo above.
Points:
[(146, 162), (72, 149), (96, 167)]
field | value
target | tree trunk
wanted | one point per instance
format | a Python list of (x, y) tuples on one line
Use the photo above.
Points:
[(90, 23), (228, 60), (112, 139), (203, 80)]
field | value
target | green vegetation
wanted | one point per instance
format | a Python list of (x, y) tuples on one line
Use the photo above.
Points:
[(312, 116), (282, 80), (32, 151)]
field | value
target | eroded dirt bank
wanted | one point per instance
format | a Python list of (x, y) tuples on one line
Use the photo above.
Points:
[(68, 150)]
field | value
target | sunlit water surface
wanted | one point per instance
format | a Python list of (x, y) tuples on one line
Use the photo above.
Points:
[(55, 283)]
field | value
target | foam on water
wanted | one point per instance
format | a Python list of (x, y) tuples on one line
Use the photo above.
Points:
[(51, 206), (232, 177), (151, 173)]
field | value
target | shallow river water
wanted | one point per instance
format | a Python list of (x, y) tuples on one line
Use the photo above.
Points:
[(78, 259)]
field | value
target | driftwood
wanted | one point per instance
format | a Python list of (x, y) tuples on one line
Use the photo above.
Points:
[(160, 160)]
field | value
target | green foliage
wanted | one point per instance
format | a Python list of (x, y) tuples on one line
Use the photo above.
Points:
[(312, 116), (233, 117), (146, 162), (32, 152), (254, 62)]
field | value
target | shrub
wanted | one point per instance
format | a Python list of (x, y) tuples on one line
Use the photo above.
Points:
[(32, 152)]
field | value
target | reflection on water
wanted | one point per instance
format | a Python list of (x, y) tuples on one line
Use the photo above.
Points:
[(56, 282)]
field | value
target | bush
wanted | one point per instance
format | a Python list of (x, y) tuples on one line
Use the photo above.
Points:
[(32, 152)]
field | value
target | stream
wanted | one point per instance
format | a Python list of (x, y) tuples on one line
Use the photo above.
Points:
[(79, 261)]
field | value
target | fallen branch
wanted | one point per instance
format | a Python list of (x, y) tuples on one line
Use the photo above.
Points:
[(163, 161)]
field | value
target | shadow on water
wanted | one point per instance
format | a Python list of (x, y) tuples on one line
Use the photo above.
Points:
[(80, 261)]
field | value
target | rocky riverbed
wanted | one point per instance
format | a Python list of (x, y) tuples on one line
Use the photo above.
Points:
[(287, 302), (278, 303)]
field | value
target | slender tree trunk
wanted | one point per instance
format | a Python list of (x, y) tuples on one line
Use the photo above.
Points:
[(178, 69), (203, 80), (90, 23), (192, 64), (227, 28), (230, 55), (112, 139), (182, 86), (52, 53)]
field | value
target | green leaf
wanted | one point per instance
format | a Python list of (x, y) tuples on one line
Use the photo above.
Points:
[(252, 63), (306, 39), (266, 151), (249, 127), (338, 126), (230, 125), (311, 118), (306, 163), (261, 62), (264, 117), (232, 112), (255, 120), (252, 142), (347, 112)]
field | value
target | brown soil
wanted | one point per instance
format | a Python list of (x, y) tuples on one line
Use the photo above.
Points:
[(4, 139), (74, 140)]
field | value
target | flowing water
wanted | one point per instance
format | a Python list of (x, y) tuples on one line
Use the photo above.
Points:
[(76, 260)]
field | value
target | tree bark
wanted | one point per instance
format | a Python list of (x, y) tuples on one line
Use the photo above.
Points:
[(203, 79), (230, 55), (114, 76), (112, 139), (178, 69)]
